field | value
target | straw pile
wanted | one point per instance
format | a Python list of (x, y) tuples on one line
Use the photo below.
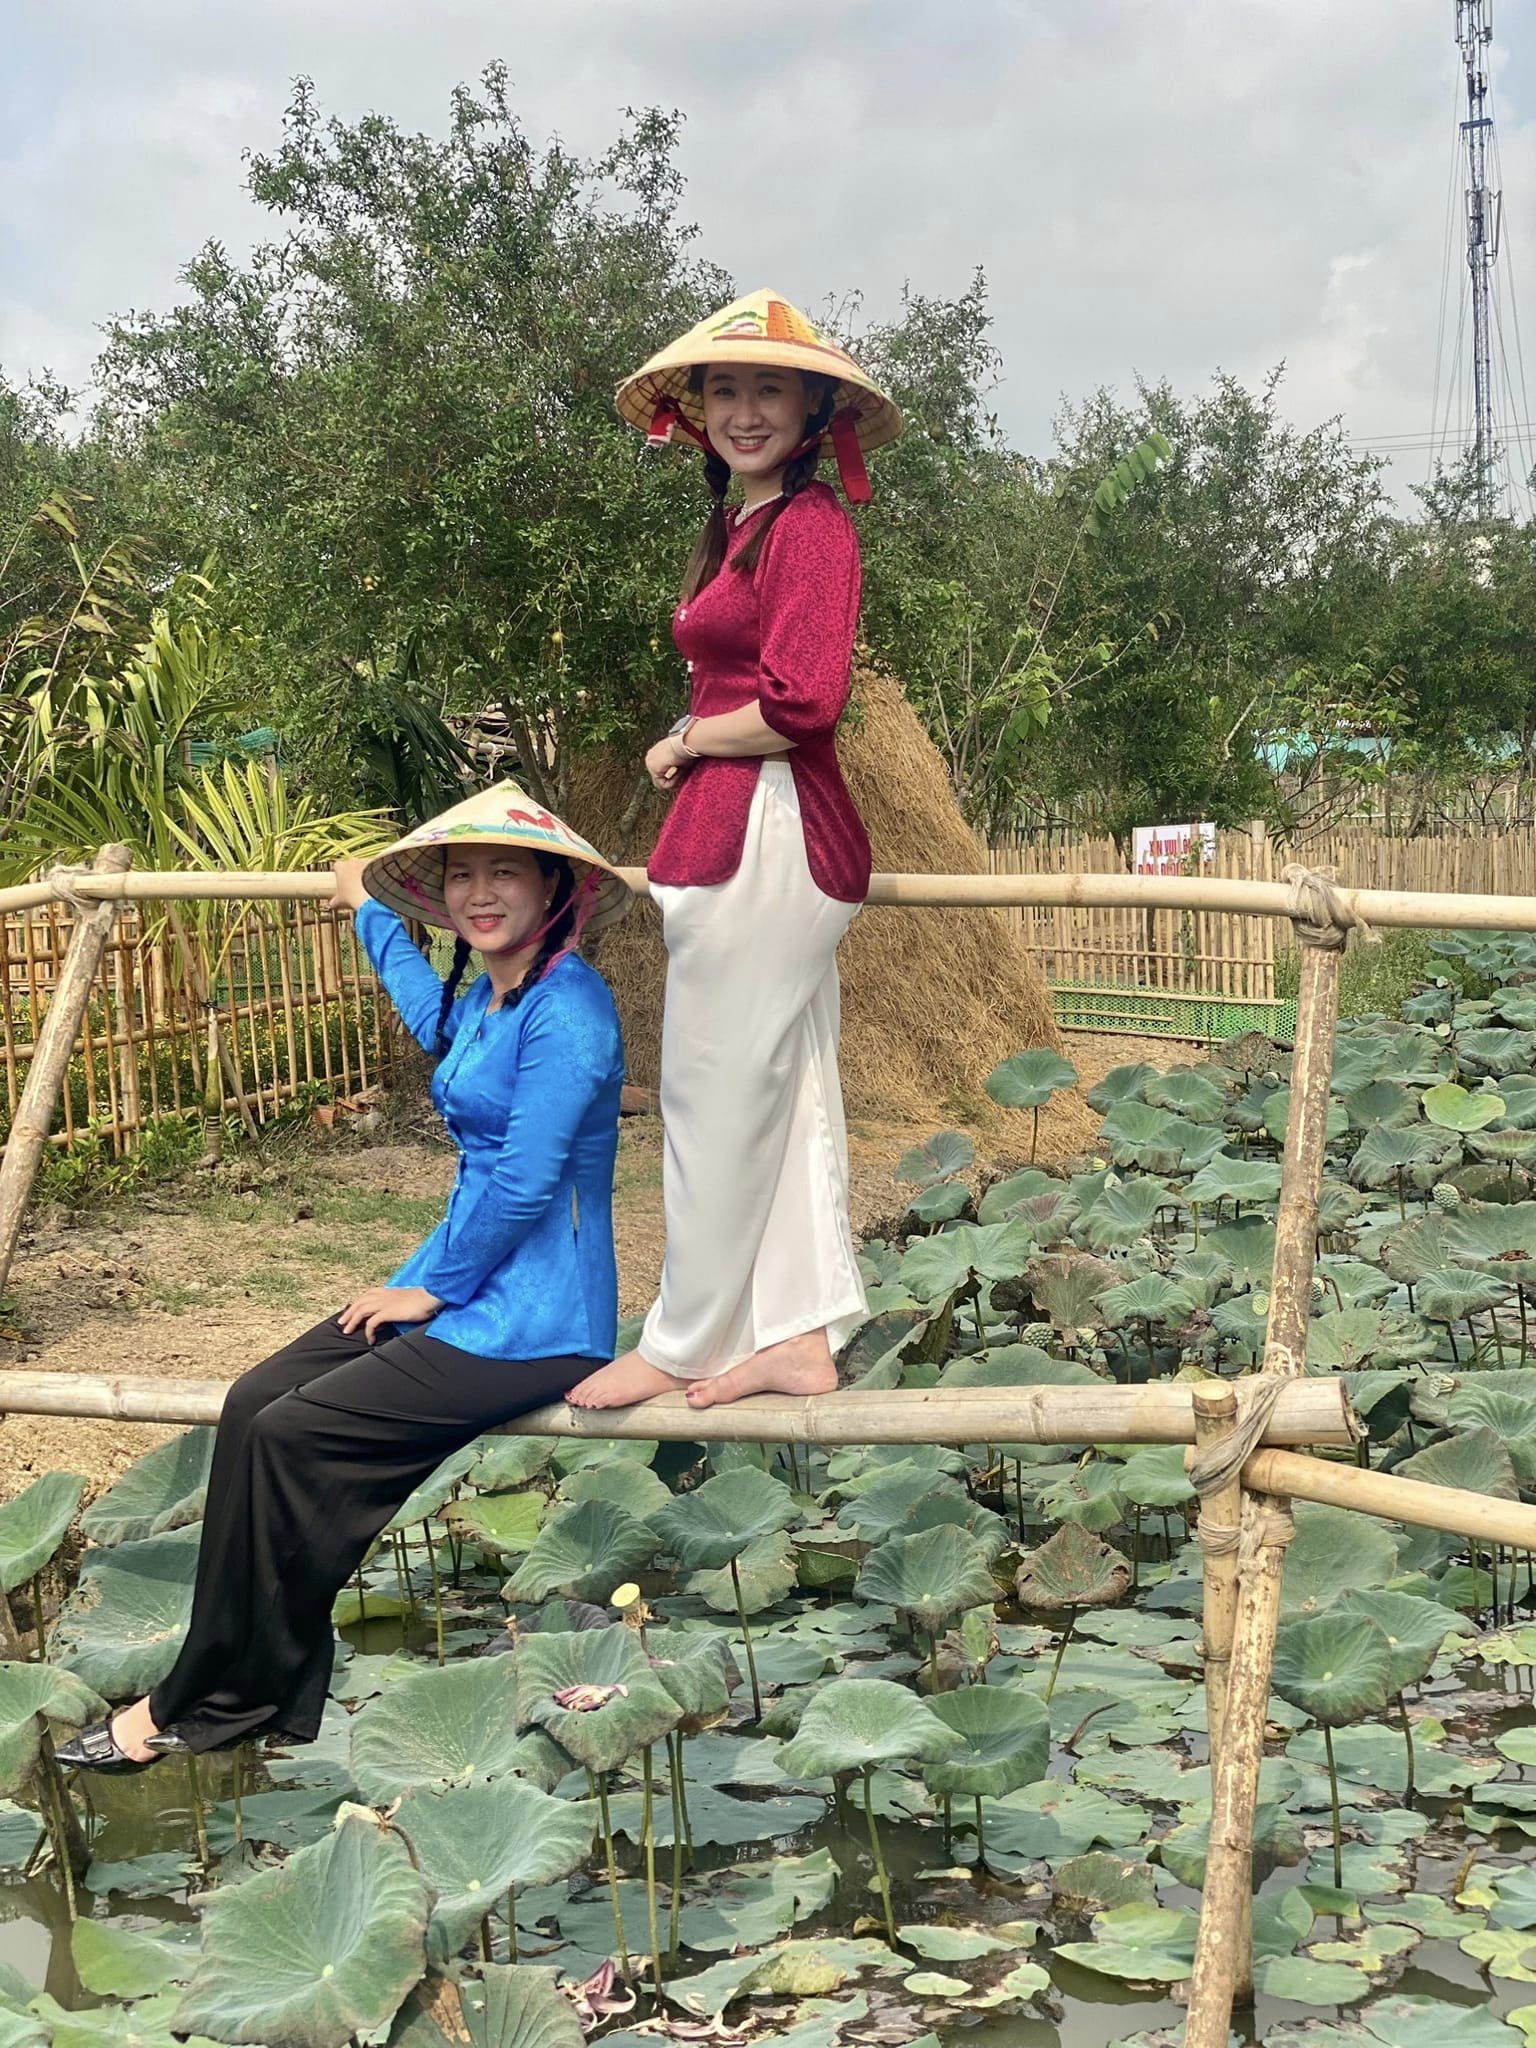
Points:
[(932, 999)]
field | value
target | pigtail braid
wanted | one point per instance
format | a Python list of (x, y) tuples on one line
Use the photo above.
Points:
[(461, 952)]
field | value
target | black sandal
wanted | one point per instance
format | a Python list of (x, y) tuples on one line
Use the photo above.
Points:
[(94, 1749)]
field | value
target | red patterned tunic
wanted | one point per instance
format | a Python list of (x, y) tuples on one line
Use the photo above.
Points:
[(782, 636)]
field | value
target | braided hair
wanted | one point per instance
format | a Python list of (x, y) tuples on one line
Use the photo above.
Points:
[(709, 549), (563, 917)]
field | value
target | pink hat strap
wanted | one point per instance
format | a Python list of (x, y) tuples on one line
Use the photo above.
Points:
[(843, 427), (581, 903)]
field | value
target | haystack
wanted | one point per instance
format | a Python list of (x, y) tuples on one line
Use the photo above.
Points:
[(932, 999)]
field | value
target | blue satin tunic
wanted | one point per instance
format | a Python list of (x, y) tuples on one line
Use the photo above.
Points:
[(523, 1261)]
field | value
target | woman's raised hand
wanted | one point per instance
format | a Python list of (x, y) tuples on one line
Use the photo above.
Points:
[(350, 893)]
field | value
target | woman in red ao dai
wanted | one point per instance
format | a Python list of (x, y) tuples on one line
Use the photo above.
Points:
[(759, 870)]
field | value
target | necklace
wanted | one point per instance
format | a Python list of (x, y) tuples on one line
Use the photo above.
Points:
[(747, 510)]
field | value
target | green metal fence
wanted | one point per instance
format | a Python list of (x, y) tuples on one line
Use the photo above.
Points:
[(1124, 1009)]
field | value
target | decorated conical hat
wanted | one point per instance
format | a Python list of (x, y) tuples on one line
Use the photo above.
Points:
[(765, 328), (408, 876)]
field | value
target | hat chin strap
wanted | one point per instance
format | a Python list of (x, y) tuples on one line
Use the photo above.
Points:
[(843, 427)]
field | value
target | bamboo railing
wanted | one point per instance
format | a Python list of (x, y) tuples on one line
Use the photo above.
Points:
[(1245, 1518)]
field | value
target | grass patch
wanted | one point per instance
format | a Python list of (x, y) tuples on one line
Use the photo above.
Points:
[(1375, 978)]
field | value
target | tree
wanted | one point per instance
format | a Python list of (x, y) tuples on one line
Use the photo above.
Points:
[(396, 424)]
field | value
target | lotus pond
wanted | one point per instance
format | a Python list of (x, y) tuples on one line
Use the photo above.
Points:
[(882, 1745)]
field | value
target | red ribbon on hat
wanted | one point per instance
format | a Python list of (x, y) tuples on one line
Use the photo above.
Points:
[(669, 414)]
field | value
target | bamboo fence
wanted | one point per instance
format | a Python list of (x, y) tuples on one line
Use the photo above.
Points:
[(295, 1007)]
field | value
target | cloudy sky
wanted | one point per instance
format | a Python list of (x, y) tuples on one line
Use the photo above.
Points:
[(1152, 186)]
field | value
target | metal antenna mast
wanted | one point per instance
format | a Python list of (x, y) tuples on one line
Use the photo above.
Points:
[(1474, 32)]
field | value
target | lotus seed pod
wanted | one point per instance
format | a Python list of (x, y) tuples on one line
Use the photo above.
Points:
[(1038, 1333), (1446, 1196)]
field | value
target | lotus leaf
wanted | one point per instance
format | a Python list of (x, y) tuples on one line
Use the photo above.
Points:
[(795, 1969), (1047, 1210), (1052, 1820), (633, 1487), (696, 1669), (1188, 1092), (122, 1962), (936, 1159), (1503, 1148), (1366, 1336), (1017, 1365), (473, 1842), (144, 2024), (1498, 1237), (1495, 1051), (1334, 1666), (707, 1528), (1510, 1414), (504, 1462), (1120, 1084), (634, 1710), (716, 1819), (1153, 1476), (1074, 1569), (1066, 1286), (1123, 1215), (437, 1728), (503, 2007), (1337, 1207), (752, 1904), (1151, 1298), (1414, 1156), (1030, 1079), (585, 1550), (32, 1525), (1277, 1839), (504, 1523), (121, 1628), (937, 1268), (881, 1508), (1142, 1943), (1085, 1496), (30, 1696), (1359, 1056), (1246, 1113), (1410, 1250), (1247, 1247), (162, 1491), (1455, 1108), (1006, 1737), (1277, 1118), (430, 1496), (1476, 1459), (943, 1510), (1139, 1135), (1456, 1292), (928, 1578), (1227, 1179), (1383, 1102), (1353, 1283), (853, 1723), (1333, 1552), (941, 1203), (1519, 1093), (1415, 1630), (323, 1947)]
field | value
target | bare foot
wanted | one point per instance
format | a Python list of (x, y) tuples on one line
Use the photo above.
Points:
[(130, 1727), (629, 1379), (800, 1365)]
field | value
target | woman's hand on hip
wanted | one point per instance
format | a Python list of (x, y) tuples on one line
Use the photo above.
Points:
[(376, 1306), (664, 764), (350, 893)]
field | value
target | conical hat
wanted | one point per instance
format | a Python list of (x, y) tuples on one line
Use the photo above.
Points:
[(408, 876), (761, 328)]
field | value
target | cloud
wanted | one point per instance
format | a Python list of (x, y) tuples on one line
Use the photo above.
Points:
[(1153, 186)]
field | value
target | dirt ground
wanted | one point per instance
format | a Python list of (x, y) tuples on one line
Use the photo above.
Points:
[(201, 1278)]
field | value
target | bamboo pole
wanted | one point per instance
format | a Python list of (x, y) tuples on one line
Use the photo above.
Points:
[(1460, 1513), (1223, 1966), (1215, 1406), (1314, 1411), (1409, 909), (51, 1055)]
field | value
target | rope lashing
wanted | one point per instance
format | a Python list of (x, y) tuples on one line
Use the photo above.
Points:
[(61, 879), (1319, 911), (1218, 1464)]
